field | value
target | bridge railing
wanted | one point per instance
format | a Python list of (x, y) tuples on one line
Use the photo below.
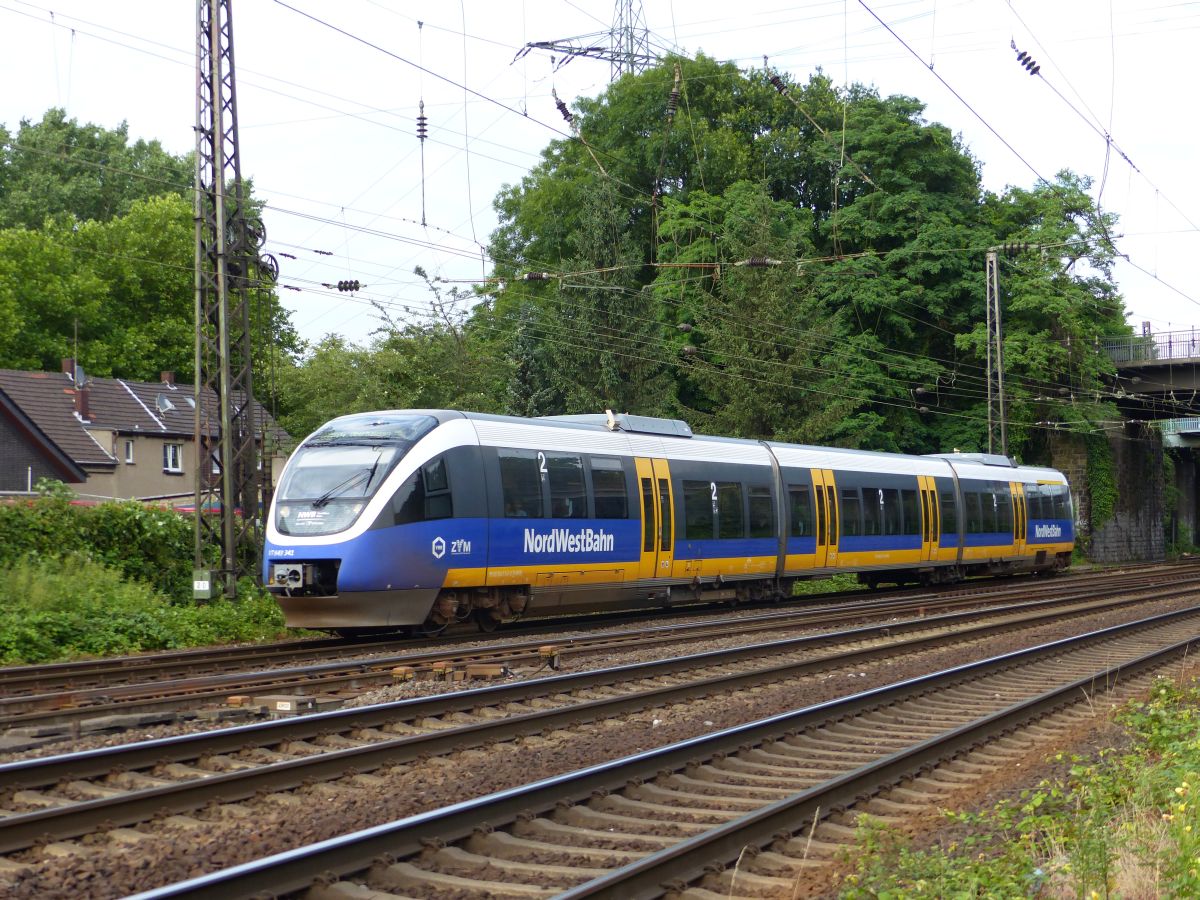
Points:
[(1179, 426), (1166, 345)]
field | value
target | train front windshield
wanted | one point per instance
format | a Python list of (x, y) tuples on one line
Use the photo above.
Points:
[(333, 474)]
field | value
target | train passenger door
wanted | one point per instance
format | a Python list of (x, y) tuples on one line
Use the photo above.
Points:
[(825, 495), (1020, 517), (658, 517), (930, 518)]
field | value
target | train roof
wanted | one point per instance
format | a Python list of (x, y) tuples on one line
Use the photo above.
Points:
[(973, 465)]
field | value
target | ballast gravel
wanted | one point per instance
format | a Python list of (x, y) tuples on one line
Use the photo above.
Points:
[(128, 860)]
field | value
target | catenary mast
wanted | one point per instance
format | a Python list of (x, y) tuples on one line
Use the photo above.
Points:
[(229, 275)]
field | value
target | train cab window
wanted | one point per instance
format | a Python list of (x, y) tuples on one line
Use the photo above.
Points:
[(608, 486), (425, 495), (521, 484), (1061, 501), (762, 512), (912, 514), (800, 500), (731, 519), (892, 523), (949, 513), (851, 513), (872, 511), (568, 496), (699, 510), (438, 501)]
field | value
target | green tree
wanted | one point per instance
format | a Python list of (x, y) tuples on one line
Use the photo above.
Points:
[(57, 166), (867, 334)]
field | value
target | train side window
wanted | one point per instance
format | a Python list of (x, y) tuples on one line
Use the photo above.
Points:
[(568, 495), (438, 500), (698, 511), (872, 511), (891, 511), (762, 512), (1004, 511), (974, 512), (608, 484), (730, 517), (521, 484), (851, 513), (949, 513), (911, 515), (801, 511)]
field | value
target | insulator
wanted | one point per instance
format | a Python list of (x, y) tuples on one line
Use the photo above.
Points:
[(1022, 56), (562, 108), (672, 104), (422, 123), (778, 84), (536, 276), (1035, 70)]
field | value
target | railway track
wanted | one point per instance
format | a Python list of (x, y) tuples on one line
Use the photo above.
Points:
[(767, 795), (31, 716), (57, 798)]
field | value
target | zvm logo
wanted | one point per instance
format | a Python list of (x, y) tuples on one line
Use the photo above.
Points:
[(439, 548)]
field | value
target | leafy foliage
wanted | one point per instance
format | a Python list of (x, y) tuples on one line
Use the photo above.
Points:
[(97, 252), (73, 606), (867, 329), (138, 542)]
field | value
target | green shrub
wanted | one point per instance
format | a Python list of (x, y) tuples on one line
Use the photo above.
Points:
[(56, 608), (153, 545)]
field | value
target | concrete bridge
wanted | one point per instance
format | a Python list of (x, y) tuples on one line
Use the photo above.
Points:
[(1158, 378)]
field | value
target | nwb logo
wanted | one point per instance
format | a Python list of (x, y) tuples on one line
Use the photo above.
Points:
[(563, 540)]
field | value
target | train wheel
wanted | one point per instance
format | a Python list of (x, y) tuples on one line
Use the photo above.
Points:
[(429, 629), (486, 622)]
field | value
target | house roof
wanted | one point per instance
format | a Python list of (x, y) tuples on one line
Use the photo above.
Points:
[(47, 399)]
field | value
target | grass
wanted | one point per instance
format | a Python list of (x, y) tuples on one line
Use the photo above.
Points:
[(1125, 823)]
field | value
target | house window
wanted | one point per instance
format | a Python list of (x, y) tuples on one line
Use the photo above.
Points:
[(173, 458), (129, 453)]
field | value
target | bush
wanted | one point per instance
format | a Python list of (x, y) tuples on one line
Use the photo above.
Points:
[(73, 606), (153, 545)]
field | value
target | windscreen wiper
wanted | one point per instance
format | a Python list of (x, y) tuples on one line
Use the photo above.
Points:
[(348, 483)]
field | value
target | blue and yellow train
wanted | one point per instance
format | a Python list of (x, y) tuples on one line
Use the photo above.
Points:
[(419, 518)]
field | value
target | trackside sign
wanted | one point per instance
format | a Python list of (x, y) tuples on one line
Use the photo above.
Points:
[(564, 540)]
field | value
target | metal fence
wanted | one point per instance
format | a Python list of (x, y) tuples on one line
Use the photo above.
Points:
[(1163, 346)]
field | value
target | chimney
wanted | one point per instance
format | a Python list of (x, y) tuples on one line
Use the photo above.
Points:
[(81, 403), (68, 367), (167, 377)]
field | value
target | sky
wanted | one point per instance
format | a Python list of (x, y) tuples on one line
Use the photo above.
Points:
[(328, 97)]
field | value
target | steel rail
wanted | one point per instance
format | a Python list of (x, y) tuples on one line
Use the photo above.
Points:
[(24, 829), (16, 680), (159, 695), (297, 869)]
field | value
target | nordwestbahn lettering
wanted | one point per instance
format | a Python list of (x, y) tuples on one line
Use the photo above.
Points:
[(1047, 531), (563, 540)]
